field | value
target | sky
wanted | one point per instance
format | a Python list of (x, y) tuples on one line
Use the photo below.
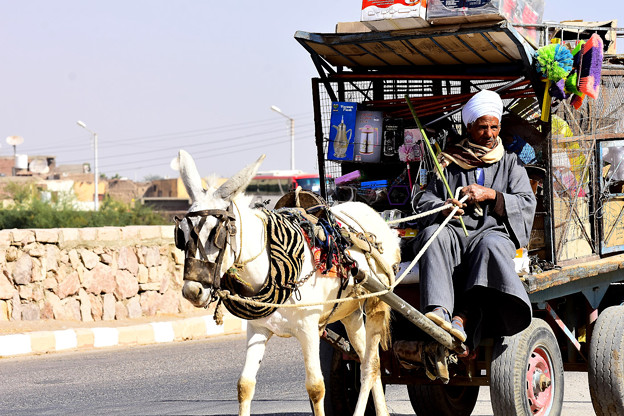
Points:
[(151, 77)]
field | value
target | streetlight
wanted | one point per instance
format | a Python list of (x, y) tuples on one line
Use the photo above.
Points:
[(95, 164), (292, 136)]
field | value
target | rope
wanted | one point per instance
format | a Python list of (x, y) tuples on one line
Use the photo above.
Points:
[(224, 294), (426, 246)]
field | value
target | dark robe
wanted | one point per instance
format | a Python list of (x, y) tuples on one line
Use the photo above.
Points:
[(475, 275)]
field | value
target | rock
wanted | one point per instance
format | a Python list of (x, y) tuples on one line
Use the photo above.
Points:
[(178, 256), (4, 311), (85, 306), (127, 260), (52, 256), (68, 286), (144, 287), (126, 285), (30, 312), (151, 256), (7, 290), (134, 307), (164, 283), (74, 259), (68, 236), (109, 307), (16, 313), (12, 253), (97, 307), (150, 302), (120, 311), (143, 274), (154, 274), (22, 274), (89, 259), (46, 235), (169, 303), (37, 292), (88, 234), (99, 280), (106, 258), (23, 237), (51, 306), (69, 310), (34, 249), (50, 281), (38, 270), (26, 292)]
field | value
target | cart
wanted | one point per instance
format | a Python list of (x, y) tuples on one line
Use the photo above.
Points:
[(576, 280)]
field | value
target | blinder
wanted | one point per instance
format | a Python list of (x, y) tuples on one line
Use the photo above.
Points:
[(203, 270)]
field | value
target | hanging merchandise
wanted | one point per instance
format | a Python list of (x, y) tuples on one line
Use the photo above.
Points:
[(554, 62), (392, 139), (368, 129), (341, 131)]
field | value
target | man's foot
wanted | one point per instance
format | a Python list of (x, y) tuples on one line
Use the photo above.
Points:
[(440, 317), (457, 328)]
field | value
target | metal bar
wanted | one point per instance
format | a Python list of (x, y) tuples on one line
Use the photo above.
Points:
[(414, 49), (435, 160), (414, 316), (503, 54), (397, 54), (565, 330), (445, 51), (318, 128), (471, 49)]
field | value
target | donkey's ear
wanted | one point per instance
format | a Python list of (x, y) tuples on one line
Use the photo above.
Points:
[(190, 175), (239, 182)]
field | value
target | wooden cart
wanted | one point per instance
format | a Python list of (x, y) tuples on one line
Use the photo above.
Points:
[(577, 293)]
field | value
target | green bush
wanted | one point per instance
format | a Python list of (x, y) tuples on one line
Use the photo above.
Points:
[(30, 211)]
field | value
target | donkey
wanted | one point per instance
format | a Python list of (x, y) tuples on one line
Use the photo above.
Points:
[(225, 239)]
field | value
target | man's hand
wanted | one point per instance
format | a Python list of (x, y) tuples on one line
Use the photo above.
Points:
[(477, 193), (455, 202)]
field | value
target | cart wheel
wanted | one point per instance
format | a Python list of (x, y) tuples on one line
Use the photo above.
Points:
[(342, 380), (527, 373), (606, 364), (441, 400)]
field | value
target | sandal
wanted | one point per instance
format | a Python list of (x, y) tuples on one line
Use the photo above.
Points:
[(440, 317)]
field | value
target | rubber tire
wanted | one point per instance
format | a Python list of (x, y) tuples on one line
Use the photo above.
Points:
[(606, 364), (510, 360), (342, 380), (441, 400)]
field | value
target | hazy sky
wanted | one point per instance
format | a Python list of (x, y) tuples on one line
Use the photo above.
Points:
[(153, 76)]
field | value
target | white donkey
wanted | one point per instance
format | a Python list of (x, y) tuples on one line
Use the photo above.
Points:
[(222, 236)]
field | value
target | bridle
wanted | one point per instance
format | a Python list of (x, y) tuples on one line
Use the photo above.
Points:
[(201, 269)]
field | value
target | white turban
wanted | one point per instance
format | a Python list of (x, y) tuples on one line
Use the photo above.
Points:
[(484, 103)]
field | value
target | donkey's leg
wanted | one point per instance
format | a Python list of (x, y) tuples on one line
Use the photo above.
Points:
[(257, 338), (365, 340), (358, 337), (309, 338), (377, 325)]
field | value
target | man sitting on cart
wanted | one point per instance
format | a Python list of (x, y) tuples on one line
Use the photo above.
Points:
[(469, 284)]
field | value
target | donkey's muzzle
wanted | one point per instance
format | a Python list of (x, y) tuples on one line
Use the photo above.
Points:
[(200, 271)]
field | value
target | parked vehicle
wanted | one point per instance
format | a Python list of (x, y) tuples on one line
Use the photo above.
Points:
[(576, 278), (271, 185)]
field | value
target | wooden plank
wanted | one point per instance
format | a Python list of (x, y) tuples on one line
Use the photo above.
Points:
[(551, 278), (428, 48), (459, 50), (483, 47)]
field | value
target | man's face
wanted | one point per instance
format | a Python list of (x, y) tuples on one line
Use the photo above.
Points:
[(484, 131)]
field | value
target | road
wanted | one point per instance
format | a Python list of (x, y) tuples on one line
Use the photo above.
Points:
[(189, 378)]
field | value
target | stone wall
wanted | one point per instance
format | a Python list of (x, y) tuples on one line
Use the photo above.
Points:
[(90, 274)]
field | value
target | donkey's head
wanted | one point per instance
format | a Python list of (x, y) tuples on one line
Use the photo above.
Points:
[(207, 233)]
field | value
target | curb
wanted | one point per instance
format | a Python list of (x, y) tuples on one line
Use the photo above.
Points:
[(42, 342)]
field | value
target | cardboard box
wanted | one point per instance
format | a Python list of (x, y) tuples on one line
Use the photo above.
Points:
[(368, 134), (382, 15), (341, 131), (447, 12)]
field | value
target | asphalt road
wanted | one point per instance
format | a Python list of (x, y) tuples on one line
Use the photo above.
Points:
[(189, 378)]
